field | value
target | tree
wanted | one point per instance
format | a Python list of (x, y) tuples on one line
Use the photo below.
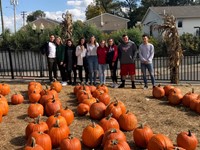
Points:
[(171, 37), (92, 10), (35, 15)]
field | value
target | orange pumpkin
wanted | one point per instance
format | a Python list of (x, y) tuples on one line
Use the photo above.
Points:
[(34, 110), (70, 143), (142, 135), (174, 98), (97, 110), (67, 114), (187, 140), (56, 85), (116, 145), (4, 89), (17, 99), (33, 146), (83, 109), (158, 142), (167, 88), (4, 105), (51, 120), (188, 97), (158, 92), (52, 106), (104, 98), (92, 135), (103, 87), (34, 97)]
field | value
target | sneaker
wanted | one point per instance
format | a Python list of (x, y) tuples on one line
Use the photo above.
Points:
[(112, 85), (145, 87), (64, 83), (116, 85)]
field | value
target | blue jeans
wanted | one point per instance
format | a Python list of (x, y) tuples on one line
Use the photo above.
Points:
[(149, 67), (102, 73), (93, 66)]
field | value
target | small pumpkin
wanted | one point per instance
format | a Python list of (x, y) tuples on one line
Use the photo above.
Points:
[(4, 89), (158, 92), (34, 97), (83, 109), (103, 87), (70, 143), (167, 88), (127, 121), (4, 105), (34, 110), (116, 145), (56, 85), (104, 98), (67, 114), (142, 135), (52, 106), (51, 120), (17, 99), (187, 140), (33, 146), (92, 135), (174, 98), (97, 110), (188, 97)]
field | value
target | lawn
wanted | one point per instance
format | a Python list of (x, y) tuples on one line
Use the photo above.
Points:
[(158, 114)]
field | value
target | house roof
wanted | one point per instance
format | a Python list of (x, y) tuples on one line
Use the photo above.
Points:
[(177, 11), (109, 15), (46, 19)]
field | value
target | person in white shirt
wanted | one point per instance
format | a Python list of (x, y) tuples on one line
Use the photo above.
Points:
[(146, 54), (81, 53)]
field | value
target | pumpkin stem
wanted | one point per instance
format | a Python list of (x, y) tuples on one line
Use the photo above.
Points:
[(70, 136), (57, 124), (66, 107), (33, 142), (114, 142), (127, 111), (116, 103), (93, 124), (113, 130), (57, 114), (109, 116), (189, 133), (37, 120), (97, 100), (192, 90)]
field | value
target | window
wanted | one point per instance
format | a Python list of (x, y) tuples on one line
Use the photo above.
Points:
[(180, 23)]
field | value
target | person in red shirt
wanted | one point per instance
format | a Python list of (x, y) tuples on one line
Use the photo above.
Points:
[(101, 54)]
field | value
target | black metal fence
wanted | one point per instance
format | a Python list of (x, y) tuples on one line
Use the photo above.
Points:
[(31, 64)]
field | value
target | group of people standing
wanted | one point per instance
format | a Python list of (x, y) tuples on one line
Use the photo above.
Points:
[(94, 58)]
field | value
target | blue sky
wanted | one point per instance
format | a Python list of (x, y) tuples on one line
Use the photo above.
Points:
[(52, 8)]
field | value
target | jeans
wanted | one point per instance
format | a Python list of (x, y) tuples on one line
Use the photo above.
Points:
[(52, 66), (149, 67), (93, 66), (102, 73)]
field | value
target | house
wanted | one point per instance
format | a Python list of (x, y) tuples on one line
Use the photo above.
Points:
[(107, 22), (47, 23), (187, 19)]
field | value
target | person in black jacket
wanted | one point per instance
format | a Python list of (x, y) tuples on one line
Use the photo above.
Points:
[(70, 61), (49, 48)]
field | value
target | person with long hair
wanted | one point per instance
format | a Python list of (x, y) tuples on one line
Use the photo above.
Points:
[(92, 59), (112, 60), (60, 56), (70, 61), (81, 54), (101, 54)]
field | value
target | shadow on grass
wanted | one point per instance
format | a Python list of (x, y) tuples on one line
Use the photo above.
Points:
[(22, 117), (18, 141)]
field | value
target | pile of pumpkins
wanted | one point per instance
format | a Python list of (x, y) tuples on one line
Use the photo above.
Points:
[(111, 119), (175, 97)]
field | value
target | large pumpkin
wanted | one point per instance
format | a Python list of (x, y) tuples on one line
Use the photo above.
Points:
[(97, 110), (158, 142), (187, 140), (70, 143), (142, 135), (174, 98), (92, 135)]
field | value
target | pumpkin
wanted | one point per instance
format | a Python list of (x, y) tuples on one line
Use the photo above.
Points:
[(142, 135), (70, 143), (83, 109), (187, 140), (1, 115), (76, 88), (104, 98), (52, 120), (4, 89), (108, 123), (97, 92), (82, 91), (112, 134), (67, 114), (57, 133), (103, 87), (176, 90), (116, 145), (33, 146), (89, 101), (127, 121), (174, 98), (116, 108), (34, 97), (97, 110), (194, 103), (167, 88), (56, 85), (45, 98), (83, 95), (188, 97), (34, 110), (92, 88), (37, 87), (41, 139), (92, 135), (17, 99), (158, 142), (36, 125), (4, 105), (52, 106), (158, 92), (80, 88)]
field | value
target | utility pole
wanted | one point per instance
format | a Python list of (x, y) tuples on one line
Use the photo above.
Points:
[(2, 22), (23, 13), (14, 3)]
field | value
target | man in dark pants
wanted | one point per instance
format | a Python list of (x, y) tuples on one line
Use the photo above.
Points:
[(49, 48), (127, 52)]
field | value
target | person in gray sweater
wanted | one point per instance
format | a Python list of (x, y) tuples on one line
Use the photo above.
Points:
[(127, 52), (146, 54)]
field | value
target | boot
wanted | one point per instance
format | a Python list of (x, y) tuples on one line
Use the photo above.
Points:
[(122, 84), (133, 85)]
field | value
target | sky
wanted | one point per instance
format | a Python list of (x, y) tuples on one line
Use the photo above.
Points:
[(52, 8)]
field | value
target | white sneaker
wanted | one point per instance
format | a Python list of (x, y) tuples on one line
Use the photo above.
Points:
[(112, 85), (64, 83), (116, 85)]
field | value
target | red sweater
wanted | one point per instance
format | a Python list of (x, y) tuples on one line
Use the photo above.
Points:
[(101, 54)]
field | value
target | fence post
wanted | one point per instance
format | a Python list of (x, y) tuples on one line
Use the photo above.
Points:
[(41, 65), (11, 64)]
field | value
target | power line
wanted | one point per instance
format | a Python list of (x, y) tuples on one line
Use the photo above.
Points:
[(23, 13)]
